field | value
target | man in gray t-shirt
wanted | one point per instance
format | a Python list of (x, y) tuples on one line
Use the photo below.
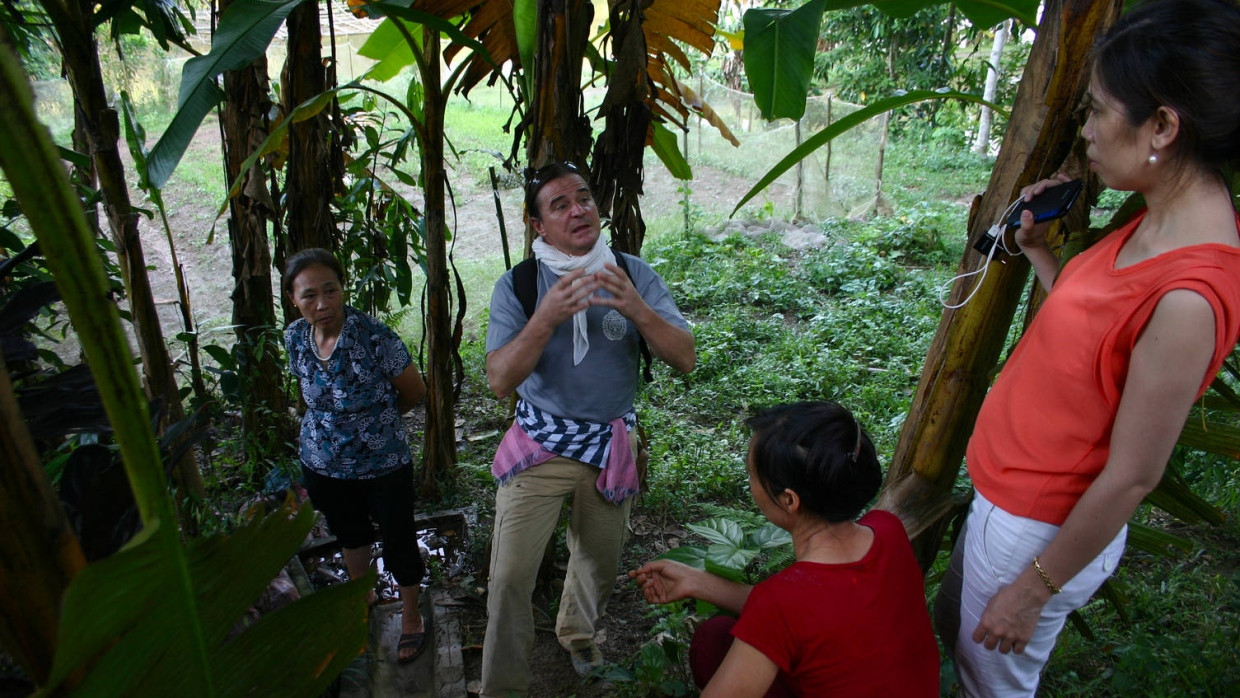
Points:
[(574, 364)]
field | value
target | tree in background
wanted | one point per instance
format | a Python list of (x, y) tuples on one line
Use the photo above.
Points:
[(981, 142), (313, 167), (244, 122), (74, 27), (866, 54)]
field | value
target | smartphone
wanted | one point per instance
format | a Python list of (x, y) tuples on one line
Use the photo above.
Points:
[(1049, 205)]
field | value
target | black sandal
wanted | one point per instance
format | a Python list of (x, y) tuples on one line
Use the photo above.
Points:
[(417, 641)]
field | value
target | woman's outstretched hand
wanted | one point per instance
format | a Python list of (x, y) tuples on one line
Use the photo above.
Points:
[(665, 581)]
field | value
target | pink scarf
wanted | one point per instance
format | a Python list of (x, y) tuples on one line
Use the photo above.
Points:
[(617, 481)]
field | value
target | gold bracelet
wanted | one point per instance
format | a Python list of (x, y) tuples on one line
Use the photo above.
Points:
[(1046, 579)]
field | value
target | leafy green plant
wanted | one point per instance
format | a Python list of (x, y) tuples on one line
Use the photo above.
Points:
[(937, 174), (384, 242), (735, 270), (734, 543), (916, 238), (851, 269), (154, 618), (1174, 641), (741, 546), (657, 670)]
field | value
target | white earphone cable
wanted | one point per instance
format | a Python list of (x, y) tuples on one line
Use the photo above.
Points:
[(998, 233)]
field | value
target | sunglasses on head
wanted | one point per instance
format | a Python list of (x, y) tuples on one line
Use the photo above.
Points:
[(536, 178)]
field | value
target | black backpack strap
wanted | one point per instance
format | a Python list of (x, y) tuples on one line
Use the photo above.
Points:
[(525, 285), (642, 347)]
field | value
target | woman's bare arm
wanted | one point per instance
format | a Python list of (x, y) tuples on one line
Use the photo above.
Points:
[(410, 389)]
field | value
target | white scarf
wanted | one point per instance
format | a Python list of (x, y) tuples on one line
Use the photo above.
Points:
[(561, 264)]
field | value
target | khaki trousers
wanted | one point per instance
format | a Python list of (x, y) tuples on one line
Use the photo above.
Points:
[(527, 509)]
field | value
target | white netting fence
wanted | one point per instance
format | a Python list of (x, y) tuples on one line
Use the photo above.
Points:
[(836, 180)]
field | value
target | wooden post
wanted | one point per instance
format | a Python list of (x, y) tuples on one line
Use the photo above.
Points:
[(499, 215), (701, 86), (800, 174), (878, 168), (826, 168)]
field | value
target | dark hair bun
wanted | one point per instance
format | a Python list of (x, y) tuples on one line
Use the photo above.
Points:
[(819, 451)]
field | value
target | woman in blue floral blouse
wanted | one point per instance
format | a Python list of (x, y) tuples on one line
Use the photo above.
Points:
[(357, 379)]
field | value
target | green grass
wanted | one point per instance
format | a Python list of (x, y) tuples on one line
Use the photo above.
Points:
[(476, 131), (845, 322), (200, 173), (1182, 631)]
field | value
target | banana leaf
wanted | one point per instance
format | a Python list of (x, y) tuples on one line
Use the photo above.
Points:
[(780, 44), (389, 49), (155, 618), (121, 614), (779, 57), (1174, 496), (1156, 541), (245, 29), (1211, 436), (664, 145), (860, 116), (982, 13), (525, 24)]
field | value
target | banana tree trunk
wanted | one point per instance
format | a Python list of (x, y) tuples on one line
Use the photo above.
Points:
[(244, 122), (39, 554), (966, 348), (85, 172), (558, 130), (616, 168), (309, 181), (73, 23), (442, 358)]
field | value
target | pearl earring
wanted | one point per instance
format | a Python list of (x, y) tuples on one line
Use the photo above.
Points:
[(1153, 159)]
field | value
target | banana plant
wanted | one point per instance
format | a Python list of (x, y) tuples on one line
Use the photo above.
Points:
[(135, 136), (508, 31), (157, 617), (780, 44)]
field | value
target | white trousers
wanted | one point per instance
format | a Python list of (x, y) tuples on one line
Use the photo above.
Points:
[(998, 547)]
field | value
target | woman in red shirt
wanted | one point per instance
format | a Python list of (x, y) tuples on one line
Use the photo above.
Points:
[(848, 618)]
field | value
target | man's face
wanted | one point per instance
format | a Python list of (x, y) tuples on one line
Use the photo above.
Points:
[(567, 215)]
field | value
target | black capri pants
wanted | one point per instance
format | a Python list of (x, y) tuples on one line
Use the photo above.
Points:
[(353, 507)]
